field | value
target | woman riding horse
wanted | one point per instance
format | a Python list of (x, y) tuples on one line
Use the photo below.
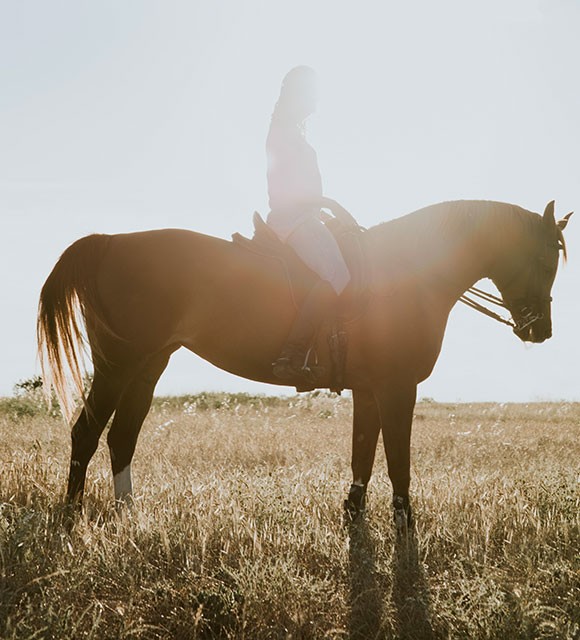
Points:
[(295, 191), (136, 298)]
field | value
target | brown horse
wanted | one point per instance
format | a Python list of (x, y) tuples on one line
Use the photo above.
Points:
[(144, 295)]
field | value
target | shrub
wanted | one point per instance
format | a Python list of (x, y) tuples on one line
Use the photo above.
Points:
[(28, 400)]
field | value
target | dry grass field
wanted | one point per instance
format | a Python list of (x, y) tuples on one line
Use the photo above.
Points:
[(238, 528)]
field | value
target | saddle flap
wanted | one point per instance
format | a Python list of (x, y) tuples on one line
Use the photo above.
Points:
[(265, 241)]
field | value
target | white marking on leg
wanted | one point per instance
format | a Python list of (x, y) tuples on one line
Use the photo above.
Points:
[(75, 463), (123, 486), (358, 482)]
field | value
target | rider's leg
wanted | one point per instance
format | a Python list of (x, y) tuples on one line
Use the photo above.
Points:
[(319, 303), (317, 247)]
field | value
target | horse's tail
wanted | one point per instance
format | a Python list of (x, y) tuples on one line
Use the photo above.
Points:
[(67, 298)]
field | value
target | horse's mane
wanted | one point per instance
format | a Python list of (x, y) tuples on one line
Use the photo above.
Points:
[(458, 219), (454, 214)]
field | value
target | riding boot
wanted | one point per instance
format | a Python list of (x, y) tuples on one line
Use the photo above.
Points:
[(319, 304)]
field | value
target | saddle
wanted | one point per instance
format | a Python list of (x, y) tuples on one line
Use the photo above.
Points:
[(353, 300)]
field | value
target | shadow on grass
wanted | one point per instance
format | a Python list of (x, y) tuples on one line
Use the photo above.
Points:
[(410, 592), (386, 606), (367, 588)]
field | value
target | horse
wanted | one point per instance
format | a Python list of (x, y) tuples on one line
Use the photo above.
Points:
[(136, 298)]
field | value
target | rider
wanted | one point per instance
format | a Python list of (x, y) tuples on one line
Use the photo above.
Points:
[(295, 191)]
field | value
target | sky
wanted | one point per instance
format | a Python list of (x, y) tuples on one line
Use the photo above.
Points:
[(142, 114)]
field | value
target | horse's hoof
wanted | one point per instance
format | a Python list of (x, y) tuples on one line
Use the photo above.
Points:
[(355, 504), (403, 516)]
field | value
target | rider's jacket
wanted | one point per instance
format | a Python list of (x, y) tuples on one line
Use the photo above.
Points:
[(294, 183)]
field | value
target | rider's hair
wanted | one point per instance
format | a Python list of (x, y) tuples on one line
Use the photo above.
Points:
[(297, 96)]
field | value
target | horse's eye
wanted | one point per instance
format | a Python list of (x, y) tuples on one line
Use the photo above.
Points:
[(545, 265)]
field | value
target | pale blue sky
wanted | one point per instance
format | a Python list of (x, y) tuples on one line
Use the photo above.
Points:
[(119, 116)]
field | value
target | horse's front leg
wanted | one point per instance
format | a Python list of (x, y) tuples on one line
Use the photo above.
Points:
[(365, 432), (396, 402)]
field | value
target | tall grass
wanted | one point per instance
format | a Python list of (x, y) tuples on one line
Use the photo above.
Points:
[(237, 530)]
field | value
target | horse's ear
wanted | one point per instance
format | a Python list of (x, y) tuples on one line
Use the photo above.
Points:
[(561, 224), (549, 214)]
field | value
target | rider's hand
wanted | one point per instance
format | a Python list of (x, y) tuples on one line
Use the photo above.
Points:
[(350, 223), (340, 213), (327, 203)]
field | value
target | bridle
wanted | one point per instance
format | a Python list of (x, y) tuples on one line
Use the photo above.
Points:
[(527, 315), (525, 305)]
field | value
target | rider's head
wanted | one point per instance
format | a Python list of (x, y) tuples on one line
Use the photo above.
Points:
[(298, 95)]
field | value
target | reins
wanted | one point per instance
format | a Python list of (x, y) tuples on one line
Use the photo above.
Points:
[(488, 297)]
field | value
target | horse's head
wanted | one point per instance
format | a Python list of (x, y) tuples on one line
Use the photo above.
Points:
[(526, 285)]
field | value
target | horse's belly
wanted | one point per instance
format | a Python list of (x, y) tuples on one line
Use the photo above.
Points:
[(242, 333)]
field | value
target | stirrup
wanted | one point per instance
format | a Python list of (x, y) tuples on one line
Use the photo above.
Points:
[(283, 368), (300, 376)]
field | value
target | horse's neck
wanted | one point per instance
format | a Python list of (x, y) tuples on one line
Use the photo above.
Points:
[(451, 246)]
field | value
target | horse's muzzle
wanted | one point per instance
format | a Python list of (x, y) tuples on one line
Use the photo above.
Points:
[(536, 330)]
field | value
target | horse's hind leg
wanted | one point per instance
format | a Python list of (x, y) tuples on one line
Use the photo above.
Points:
[(366, 425), (88, 428), (129, 416)]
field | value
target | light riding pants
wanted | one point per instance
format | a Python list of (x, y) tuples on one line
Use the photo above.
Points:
[(316, 246)]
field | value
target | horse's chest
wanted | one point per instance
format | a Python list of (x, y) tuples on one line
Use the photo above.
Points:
[(397, 336)]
